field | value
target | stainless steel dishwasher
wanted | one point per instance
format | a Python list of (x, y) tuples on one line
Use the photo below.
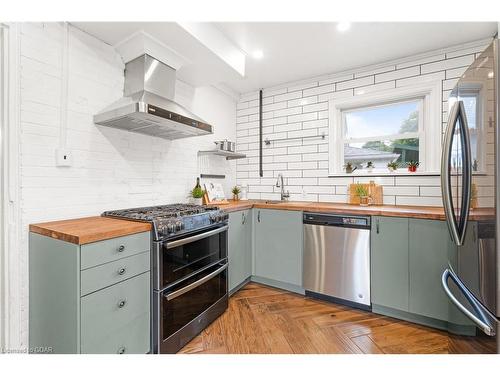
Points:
[(337, 258)]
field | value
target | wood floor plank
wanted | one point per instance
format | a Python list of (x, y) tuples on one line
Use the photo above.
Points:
[(366, 345), (276, 342)]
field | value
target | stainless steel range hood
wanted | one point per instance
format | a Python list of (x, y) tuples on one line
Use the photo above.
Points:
[(148, 107)]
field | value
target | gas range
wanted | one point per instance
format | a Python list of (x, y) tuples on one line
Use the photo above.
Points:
[(173, 220)]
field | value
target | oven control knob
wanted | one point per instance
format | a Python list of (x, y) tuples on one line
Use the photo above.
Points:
[(170, 228), (179, 225)]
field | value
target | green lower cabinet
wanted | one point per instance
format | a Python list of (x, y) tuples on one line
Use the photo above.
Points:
[(278, 244), (429, 247), (239, 248), (389, 262), (92, 298), (408, 258)]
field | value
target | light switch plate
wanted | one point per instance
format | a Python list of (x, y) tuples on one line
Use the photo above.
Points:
[(64, 158)]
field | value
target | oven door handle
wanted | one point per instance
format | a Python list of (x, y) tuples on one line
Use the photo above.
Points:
[(184, 241), (197, 283)]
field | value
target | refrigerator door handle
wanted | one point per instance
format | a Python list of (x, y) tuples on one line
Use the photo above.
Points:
[(466, 172), (445, 174), (486, 321)]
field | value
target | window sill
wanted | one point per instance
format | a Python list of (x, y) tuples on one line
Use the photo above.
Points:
[(385, 174)]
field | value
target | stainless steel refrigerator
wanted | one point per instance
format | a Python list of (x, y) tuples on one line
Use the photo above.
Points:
[(469, 181)]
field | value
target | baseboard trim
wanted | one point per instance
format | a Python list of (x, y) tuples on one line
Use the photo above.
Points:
[(458, 329), (278, 284), (239, 286)]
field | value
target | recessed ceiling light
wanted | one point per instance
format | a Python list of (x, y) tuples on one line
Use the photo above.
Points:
[(343, 26), (491, 75), (257, 54)]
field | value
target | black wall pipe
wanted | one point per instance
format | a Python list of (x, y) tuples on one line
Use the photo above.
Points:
[(261, 172)]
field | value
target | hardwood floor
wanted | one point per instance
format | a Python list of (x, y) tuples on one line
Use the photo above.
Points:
[(262, 319)]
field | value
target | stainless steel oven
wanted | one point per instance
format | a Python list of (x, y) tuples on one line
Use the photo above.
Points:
[(190, 285)]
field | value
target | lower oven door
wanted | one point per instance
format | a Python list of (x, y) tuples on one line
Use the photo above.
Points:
[(179, 258), (185, 310)]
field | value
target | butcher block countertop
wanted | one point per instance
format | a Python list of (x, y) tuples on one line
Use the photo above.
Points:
[(89, 229), (418, 212)]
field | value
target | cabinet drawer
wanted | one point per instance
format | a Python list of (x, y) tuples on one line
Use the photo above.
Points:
[(96, 253), (107, 274), (116, 319)]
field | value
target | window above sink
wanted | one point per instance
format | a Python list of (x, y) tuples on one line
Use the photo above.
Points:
[(397, 125)]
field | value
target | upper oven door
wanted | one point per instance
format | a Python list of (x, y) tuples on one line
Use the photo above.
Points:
[(182, 257)]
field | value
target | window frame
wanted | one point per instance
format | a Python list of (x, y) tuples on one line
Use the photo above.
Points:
[(429, 133), (476, 89)]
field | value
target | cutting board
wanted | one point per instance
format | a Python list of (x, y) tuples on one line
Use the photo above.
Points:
[(374, 191)]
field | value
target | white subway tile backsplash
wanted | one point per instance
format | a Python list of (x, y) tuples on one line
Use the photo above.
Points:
[(288, 112), (315, 107), (355, 83), (372, 88), (319, 90), (303, 117), (335, 95), (421, 61), (397, 74), (419, 201), (302, 101), (288, 96), (448, 64)]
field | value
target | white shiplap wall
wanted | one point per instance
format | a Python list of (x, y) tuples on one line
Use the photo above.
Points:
[(112, 168), (301, 109)]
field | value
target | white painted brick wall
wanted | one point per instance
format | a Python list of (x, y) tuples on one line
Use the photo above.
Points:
[(304, 163), (112, 169)]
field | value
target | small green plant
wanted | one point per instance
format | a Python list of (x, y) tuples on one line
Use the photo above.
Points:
[(370, 164), (392, 165), (360, 190), (197, 192), (236, 190)]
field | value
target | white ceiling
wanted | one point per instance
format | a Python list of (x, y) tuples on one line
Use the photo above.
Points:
[(294, 50)]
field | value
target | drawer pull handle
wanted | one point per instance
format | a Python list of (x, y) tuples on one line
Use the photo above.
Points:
[(121, 248), (122, 303), (121, 271), (121, 350)]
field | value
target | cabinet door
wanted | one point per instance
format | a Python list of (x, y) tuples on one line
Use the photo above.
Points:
[(240, 247), (430, 244), (278, 245), (117, 319), (389, 262)]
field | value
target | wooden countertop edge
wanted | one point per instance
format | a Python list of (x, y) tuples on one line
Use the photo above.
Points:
[(432, 213), (72, 231)]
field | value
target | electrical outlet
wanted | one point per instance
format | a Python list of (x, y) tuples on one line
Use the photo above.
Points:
[(64, 158)]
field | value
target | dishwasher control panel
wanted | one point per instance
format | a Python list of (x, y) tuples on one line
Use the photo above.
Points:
[(337, 220), (354, 221)]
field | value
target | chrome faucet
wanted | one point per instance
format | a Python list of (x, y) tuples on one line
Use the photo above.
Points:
[(280, 183)]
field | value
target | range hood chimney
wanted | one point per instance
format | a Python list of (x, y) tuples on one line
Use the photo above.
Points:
[(148, 105)]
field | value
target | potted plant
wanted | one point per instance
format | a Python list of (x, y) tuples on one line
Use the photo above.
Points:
[(392, 166), (413, 165), (197, 195), (236, 193), (362, 192), (349, 167), (370, 166)]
